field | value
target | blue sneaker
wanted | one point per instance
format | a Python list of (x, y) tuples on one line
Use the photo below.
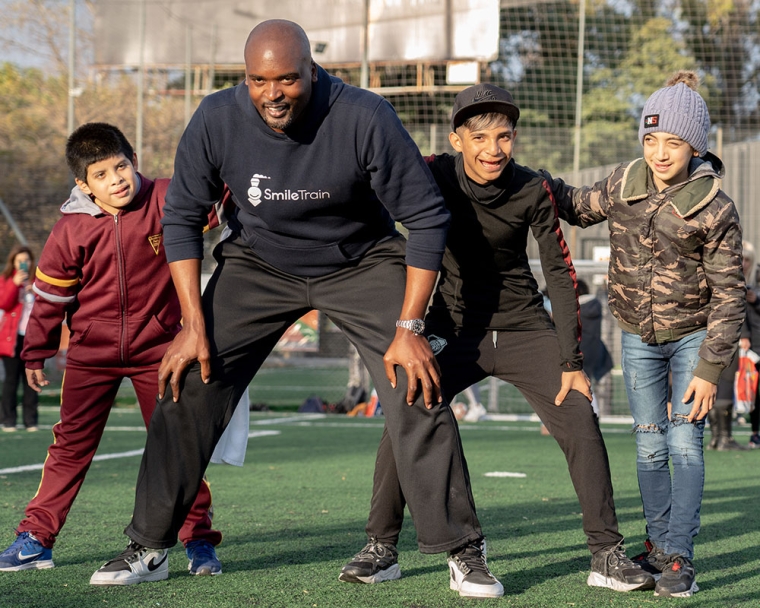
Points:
[(203, 560), (26, 553)]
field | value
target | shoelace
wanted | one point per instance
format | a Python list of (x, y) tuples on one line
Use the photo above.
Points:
[(22, 540), (472, 559), (620, 559), (130, 554), (373, 549)]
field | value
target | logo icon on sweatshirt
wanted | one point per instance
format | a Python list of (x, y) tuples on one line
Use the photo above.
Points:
[(155, 241), (254, 192)]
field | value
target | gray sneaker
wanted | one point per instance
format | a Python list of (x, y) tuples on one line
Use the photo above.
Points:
[(375, 563), (611, 568), (469, 573)]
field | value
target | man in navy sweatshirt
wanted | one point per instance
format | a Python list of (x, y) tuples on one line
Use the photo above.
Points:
[(319, 172)]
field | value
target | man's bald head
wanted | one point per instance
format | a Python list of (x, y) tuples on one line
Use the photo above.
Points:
[(279, 71), (282, 31)]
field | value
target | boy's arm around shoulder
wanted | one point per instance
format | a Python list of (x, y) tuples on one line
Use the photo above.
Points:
[(56, 284), (579, 206)]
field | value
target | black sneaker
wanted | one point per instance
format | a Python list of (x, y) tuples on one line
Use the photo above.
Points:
[(678, 578), (376, 563), (653, 560), (469, 573), (136, 564), (611, 568)]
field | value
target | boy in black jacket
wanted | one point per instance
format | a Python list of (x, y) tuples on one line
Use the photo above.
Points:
[(487, 319)]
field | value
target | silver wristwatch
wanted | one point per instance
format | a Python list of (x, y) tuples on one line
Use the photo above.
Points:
[(416, 326)]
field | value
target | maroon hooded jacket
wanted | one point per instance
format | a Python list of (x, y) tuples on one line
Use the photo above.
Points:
[(107, 276)]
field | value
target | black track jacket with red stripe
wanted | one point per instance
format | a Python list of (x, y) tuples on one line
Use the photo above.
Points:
[(486, 281)]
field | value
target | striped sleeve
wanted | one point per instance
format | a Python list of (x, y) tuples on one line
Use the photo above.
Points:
[(56, 285)]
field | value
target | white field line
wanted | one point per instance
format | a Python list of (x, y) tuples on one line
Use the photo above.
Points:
[(38, 467)]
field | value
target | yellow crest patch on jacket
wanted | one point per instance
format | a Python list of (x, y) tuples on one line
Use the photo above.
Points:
[(155, 241)]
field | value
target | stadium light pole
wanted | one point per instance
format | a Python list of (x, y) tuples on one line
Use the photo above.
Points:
[(140, 80), (578, 111), (364, 77), (188, 71), (72, 63)]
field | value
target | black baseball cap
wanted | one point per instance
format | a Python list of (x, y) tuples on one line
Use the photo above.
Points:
[(482, 99)]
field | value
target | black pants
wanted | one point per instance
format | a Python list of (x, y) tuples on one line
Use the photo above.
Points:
[(15, 374), (530, 361), (248, 305)]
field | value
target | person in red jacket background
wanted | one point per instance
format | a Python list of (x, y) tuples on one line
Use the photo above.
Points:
[(103, 270), (16, 300)]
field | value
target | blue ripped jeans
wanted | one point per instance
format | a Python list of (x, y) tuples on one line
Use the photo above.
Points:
[(671, 502)]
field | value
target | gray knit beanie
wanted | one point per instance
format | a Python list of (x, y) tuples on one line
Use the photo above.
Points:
[(680, 110)]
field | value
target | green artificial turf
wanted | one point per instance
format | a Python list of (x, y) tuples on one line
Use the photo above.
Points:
[(295, 513)]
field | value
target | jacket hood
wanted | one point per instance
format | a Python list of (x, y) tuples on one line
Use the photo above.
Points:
[(702, 185), (80, 202)]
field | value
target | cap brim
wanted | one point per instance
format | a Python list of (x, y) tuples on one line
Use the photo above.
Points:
[(485, 107)]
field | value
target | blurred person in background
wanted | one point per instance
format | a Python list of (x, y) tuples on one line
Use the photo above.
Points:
[(750, 337), (16, 301), (597, 361)]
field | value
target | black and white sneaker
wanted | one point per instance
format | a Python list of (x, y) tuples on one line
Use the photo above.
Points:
[(611, 568), (469, 573), (652, 560), (375, 563), (136, 564), (678, 578)]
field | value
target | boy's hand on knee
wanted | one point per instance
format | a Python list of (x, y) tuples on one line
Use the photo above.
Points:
[(573, 381), (703, 392)]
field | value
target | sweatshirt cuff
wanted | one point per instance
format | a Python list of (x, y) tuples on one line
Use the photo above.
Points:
[(572, 366), (34, 364), (708, 371)]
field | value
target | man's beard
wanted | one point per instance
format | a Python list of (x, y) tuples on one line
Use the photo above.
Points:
[(279, 123)]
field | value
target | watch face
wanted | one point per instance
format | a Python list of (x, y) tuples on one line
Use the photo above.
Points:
[(418, 326)]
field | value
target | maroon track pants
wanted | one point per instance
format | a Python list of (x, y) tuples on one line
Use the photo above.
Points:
[(86, 398)]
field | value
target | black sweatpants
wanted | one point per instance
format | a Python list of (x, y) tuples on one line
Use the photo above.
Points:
[(15, 375), (248, 304), (530, 361)]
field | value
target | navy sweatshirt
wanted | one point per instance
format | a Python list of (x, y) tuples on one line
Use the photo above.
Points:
[(311, 200)]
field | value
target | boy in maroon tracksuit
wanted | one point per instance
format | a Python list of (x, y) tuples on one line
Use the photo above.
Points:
[(103, 270)]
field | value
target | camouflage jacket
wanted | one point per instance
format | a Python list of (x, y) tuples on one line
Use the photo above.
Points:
[(675, 256)]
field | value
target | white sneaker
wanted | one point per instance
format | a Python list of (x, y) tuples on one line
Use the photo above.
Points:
[(469, 573), (475, 413), (136, 564)]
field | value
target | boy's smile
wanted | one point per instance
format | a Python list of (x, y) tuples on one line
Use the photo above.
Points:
[(485, 152), (112, 182), (668, 156)]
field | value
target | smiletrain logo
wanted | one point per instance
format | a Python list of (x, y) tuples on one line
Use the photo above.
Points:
[(256, 194)]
